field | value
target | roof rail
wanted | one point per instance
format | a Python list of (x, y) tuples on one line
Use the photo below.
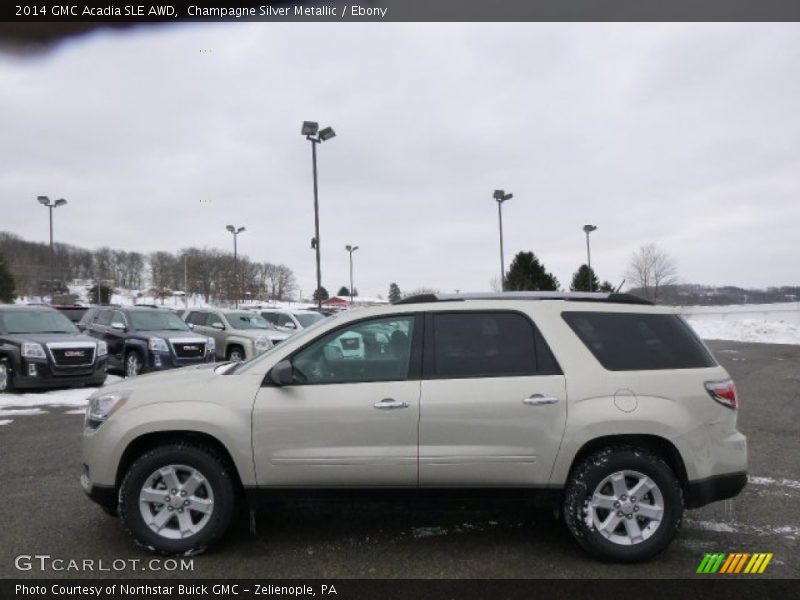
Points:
[(612, 297)]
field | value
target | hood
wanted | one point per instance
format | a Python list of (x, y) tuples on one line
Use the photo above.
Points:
[(45, 338), (172, 377)]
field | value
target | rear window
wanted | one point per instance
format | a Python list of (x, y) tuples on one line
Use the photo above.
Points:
[(639, 342)]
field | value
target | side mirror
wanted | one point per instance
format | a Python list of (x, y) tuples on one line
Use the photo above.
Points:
[(118, 326), (218, 326), (281, 374)]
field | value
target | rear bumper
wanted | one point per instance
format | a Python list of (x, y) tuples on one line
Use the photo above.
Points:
[(715, 488)]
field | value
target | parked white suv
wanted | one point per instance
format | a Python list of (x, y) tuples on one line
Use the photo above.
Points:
[(610, 408)]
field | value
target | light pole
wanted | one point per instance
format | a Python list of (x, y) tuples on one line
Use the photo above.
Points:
[(235, 233), (589, 229), (45, 201), (315, 136), (351, 249), (501, 197)]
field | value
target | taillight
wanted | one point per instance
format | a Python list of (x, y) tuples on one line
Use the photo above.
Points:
[(723, 392)]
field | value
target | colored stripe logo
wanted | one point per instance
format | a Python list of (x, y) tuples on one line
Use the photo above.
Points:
[(734, 563)]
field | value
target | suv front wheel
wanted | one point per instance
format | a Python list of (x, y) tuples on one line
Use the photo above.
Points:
[(623, 504), (177, 499)]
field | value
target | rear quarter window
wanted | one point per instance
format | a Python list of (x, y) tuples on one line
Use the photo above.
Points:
[(639, 341)]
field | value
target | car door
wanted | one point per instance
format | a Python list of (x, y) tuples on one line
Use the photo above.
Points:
[(115, 337), (493, 405), (344, 422), (98, 328), (211, 328)]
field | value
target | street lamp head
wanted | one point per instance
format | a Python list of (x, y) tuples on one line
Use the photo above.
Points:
[(498, 194), (355, 248), (230, 228), (44, 200), (309, 128), (327, 134), (349, 248), (589, 228), (240, 230), (60, 202)]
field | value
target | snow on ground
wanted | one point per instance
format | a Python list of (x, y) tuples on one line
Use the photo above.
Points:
[(747, 330), (6, 421), (32, 403)]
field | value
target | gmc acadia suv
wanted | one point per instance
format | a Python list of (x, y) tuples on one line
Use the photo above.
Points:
[(147, 339), (607, 406), (41, 348)]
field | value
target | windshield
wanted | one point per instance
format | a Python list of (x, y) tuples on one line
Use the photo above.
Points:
[(43, 321), (308, 332), (308, 319), (156, 321), (245, 320)]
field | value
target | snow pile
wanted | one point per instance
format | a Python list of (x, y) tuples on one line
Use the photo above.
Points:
[(15, 404), (747, 330)]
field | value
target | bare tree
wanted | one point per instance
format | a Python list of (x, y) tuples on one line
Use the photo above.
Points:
[(650, 269)]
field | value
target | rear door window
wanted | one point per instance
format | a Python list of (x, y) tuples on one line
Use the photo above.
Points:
[(639, 342), (488, 344), (104, 317)]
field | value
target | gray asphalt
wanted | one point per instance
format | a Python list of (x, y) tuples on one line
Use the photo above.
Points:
[(44, 512)]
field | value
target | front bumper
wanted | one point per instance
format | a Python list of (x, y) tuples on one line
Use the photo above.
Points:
[(715, 488), (40, 373), (104, 495)]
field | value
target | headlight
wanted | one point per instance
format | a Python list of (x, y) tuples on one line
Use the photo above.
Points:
[(33, 350), (211, 345), (103, 406), (102, 349), (262, 342), (157, 344)]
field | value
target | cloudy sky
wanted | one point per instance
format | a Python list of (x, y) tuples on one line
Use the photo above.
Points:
[(683, 135)]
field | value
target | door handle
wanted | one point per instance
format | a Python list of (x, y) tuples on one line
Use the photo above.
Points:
[(390, 403), (539, 400)]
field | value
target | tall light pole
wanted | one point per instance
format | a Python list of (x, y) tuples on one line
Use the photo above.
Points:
[(351, 249), (315, 136), (501, 197), (45, 201), (589, 229), (235, 231)]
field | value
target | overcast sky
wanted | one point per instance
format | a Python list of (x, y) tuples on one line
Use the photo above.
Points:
[(683, 135)]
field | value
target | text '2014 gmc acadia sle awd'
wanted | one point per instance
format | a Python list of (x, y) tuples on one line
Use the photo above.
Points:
[(604, 404)]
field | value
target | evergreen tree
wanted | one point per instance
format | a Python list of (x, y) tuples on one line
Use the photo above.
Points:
[(321, 294), (394, 293), (581, 278), (606, 286), (343, 291), (104, 296), (6, 282), (526, 273)]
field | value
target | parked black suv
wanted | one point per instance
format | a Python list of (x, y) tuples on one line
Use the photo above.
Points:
[(41, 348), (146, 339)]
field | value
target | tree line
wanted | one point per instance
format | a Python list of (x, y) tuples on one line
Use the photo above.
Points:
[(205, 271)]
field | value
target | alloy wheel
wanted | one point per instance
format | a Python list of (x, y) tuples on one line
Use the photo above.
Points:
[(626, 508), (132, 365), (176, 501), (3, 377)]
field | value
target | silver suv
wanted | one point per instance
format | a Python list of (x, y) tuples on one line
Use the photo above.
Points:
[(609, 408), (239, 335)]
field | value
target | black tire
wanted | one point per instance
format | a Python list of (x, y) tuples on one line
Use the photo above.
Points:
[(126, 369), (217, 475), (234, 349), (6, 377), (583, 483)]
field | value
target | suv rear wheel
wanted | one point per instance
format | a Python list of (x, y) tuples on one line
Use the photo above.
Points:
[(623, 504), (177, 499)]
